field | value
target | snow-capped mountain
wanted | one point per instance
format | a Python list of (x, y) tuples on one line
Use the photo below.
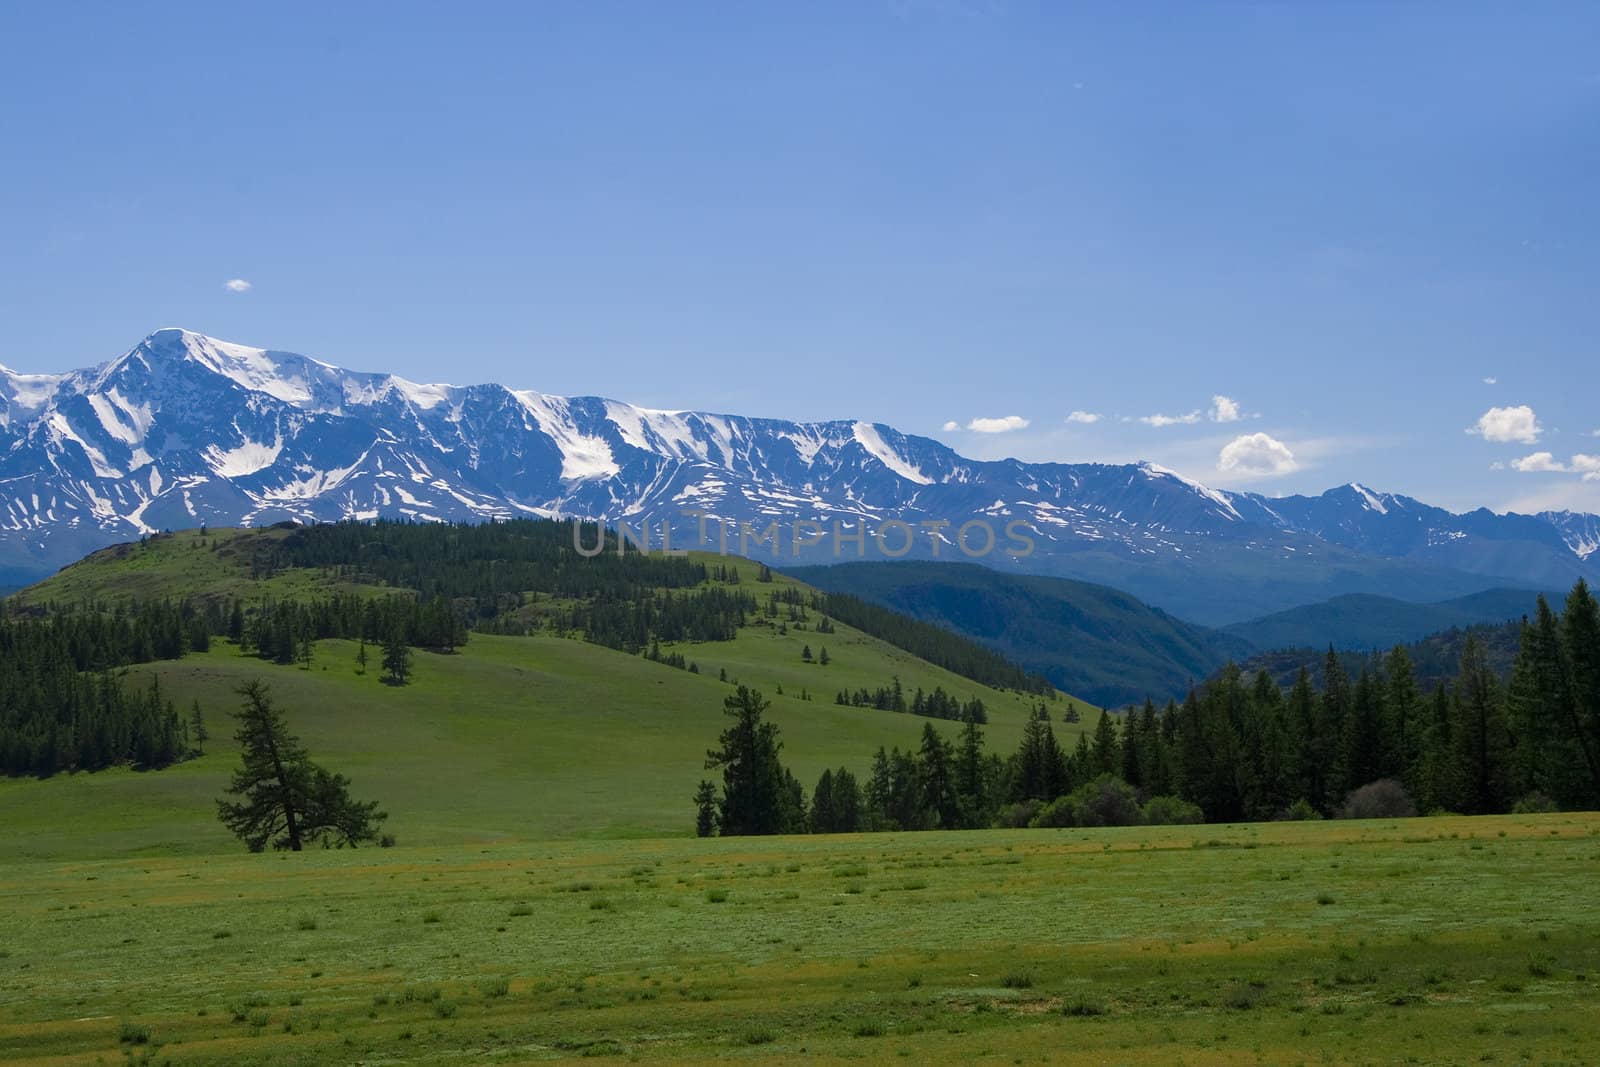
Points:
[(185, 429)]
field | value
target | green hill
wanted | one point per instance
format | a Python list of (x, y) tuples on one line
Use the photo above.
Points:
[(1088, 639), (513, 737)]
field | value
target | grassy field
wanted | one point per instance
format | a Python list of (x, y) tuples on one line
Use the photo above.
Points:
[(1421, 941)]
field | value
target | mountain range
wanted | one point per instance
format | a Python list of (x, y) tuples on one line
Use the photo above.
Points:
[(184, 429)]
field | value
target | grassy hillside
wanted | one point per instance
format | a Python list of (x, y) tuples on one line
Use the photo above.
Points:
[(512, 738), (1362, 622), (186, 563), (1415, 941), (1087, 639)]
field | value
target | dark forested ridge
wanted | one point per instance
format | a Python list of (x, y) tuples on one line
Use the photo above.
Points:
[(1099, 643), (952, 651)]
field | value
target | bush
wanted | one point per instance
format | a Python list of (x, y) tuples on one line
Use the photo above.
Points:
[(1300, 811), (1172, 811), (1106, 801), (1060, 812), (1383, 799), (1017, 816), (1535, 803)]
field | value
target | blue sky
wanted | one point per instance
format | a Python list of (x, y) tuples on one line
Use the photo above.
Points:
[(1343, 219)]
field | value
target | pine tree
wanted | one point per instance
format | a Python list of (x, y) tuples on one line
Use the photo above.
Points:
[(846, 802), (705, 802), (822, 657), (286, 800), (822, 818), (939, 796), (1106, 757), (361, 656), (754, 788), (805, 654), (197, 729), (1580, 625), (971, 773), (396, 658), (1405, 721), (1481, 739)]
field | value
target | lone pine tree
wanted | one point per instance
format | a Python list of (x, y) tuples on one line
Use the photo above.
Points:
[(287, 801)]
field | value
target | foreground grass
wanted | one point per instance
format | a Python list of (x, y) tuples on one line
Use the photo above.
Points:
[(1429, 941)]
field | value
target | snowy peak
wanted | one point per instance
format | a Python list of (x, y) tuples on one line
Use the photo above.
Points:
[(184, 428)]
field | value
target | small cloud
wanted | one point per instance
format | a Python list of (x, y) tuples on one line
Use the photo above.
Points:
[(1538, 462), (1089, 417), (1516, 425), (1497, 466), (1004, 424), (236, 285), (1256, 454), (1546, 463), (1159, 421), (1491, 381), (1224, 409), (952, 426)]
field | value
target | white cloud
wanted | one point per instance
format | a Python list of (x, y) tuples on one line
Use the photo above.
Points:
[(1256, 454), (1595, 434), (1546, 463), (236, 285), (952, 426), (1224, 410), (1171, 420), (1537, 462), (1491, 381), (1088, 417), (1508, 425), (1003, 424)]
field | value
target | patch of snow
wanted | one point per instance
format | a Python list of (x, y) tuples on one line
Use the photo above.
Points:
[(248, 458), (1204, 490), (583, 456), (1372, 502), (867, 437), (57, 424)]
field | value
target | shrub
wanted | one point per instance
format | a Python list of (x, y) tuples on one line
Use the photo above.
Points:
[(1106, 801), (1383, 799), (716, 896), (1172, 811), (1301, 810), (133, 1034), (759, 1035), (1535, 803), (1018, 980), (1082, 1007), (869, 1028), (1059, 813), (1017, 816)]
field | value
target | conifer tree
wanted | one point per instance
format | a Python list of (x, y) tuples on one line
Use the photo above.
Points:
[(1481, 739), (755, 793), (705, 802), (197, 729), (396, 658), (286, 801)]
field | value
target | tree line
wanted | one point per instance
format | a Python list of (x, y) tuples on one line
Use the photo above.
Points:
[(1234, 750)]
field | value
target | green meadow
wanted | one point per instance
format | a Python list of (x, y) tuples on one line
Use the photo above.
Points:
[(1417, 941), (512, 738)]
